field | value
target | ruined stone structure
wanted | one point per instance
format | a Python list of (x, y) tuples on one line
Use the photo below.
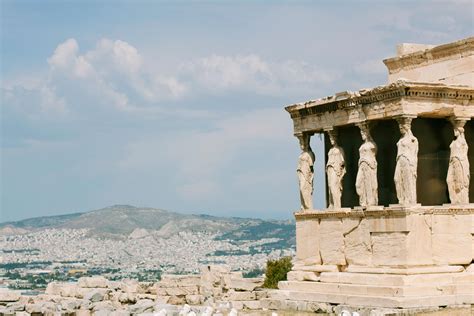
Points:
[(399, 232)]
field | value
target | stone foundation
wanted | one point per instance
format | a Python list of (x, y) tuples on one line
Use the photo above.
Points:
[(391, 257)]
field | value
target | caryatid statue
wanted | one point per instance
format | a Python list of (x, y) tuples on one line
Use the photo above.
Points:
[(335, 171), (366, 180), (458, 170), (305, 172), (407, 163)]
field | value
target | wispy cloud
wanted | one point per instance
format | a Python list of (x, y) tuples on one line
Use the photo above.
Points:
[(200, 158)]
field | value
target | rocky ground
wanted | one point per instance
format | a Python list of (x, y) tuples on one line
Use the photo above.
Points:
[(217, 291)]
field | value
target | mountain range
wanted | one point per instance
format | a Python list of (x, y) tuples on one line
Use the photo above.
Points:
[(122, 221)]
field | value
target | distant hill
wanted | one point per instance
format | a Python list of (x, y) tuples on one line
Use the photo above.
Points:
[(121, 221)]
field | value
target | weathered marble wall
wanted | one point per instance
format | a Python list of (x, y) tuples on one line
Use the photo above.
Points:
[(432, 236)]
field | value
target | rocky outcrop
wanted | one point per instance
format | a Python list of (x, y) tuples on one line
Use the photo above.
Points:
[(216, 291)]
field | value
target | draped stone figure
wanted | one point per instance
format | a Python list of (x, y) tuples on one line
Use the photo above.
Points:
[(407, 164), (305, 173), (335, 171), (458, 170), (366, 180)]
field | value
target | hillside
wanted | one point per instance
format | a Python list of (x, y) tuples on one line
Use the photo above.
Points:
[(122, 220)]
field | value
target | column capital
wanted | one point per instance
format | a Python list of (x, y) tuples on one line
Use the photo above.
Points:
[(403, 117), (458, 120)]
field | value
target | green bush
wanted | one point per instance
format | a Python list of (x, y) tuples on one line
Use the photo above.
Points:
[(276, 271)]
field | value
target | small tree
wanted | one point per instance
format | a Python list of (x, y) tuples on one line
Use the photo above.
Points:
[(276, 271)]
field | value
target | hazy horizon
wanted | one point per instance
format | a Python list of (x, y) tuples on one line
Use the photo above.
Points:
[(180, 106)]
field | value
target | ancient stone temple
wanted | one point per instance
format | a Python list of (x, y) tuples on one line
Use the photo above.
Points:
[(398, 228)]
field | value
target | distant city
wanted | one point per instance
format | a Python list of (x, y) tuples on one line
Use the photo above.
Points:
[(35, 252)]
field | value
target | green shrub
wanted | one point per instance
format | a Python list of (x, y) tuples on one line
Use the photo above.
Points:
[(276, 271)]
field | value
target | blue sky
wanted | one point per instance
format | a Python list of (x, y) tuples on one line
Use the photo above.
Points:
[(179, 105)]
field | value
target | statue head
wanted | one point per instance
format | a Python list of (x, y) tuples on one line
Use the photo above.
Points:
[(404, 125), (458, 125), (332, 137), (304, 142), (458, 131), (364, 131)]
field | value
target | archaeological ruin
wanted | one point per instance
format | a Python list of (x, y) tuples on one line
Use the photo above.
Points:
[(398, 228)]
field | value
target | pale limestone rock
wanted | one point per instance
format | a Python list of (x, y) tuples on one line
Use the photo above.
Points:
[(307, 240), (96, 295), (102, 306), (419, 241), (81, 292), (169, 280), (177, 300), (162, 299), (458, 172), (261, 294), (244, 284), (185, 310), (68, 289), (16, 306), (92, 282), (72, 304), (120, 312), (452, 248), (142, 306), (113, 285), (33, 308), (407, 163), (82, 312), (305, 172), (145, 296), (194, 299), (357, 242), (389, 249), (130, 286), (252, 305), (335, 171), (53, 288), (332, 242), (239, 296), (310, 276), (9, 296), (184, 290), (366, 180)]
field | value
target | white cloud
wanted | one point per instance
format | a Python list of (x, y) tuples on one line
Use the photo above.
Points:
[(200, 158), (65, 54), (32, 96), (251, 73)]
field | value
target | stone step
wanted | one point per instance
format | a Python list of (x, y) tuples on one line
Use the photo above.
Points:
[(373, 300), (392, 279), (369, 290)]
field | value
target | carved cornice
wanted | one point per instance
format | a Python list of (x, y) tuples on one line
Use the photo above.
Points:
[(394, 91), (462, 48), (386, 212)]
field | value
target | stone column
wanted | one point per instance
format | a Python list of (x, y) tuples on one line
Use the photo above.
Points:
[(407, 163), (366, 180), (458, 171), (335, 171), (305, 172)]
